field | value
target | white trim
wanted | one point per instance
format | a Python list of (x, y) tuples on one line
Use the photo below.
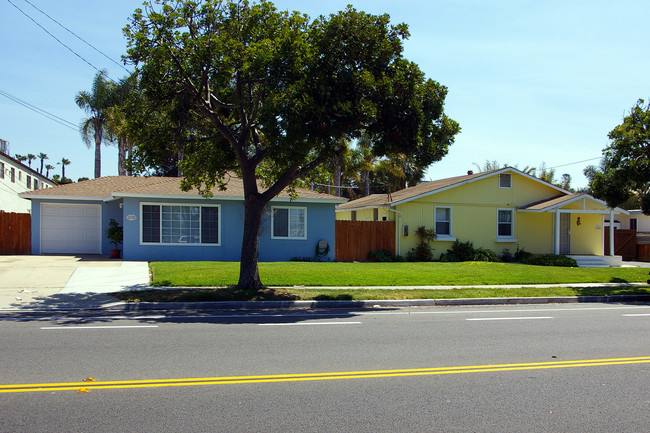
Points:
[(511, 236), (179, 244), (288, 237), (444, 238), (63, 197), (115, 195), (435, 221), (583, 210)]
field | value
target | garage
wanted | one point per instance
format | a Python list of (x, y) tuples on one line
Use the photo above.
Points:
[(70, 228)]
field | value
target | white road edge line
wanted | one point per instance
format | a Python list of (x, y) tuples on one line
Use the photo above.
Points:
[(635, 315), (309, 324), (510, 318), (99, 327)]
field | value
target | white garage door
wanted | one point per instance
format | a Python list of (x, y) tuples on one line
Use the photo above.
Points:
[(70, 229)]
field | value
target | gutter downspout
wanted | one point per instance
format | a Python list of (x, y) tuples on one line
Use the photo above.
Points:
[(397, 229)]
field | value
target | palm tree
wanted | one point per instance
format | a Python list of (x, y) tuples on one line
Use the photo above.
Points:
[(30, 158), (42, 157), (21, 158), (48, 167), (95, 128), (367, 163), (116, 121), (64, 162)]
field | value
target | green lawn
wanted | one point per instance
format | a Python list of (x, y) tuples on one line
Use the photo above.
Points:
[(224, 274)]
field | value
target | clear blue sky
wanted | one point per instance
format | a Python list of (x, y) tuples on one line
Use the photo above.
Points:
[(529, 81)]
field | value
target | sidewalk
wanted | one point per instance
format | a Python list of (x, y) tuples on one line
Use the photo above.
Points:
[(63, 282)]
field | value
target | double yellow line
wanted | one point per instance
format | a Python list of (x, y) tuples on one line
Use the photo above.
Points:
[(198, 381)]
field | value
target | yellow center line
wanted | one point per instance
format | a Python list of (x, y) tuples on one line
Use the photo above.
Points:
[(154, 383)]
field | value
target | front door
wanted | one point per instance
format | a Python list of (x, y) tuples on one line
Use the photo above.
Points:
[(565, 233)]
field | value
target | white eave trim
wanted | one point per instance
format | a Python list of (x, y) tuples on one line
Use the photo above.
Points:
[(558, 207), (117, 195), (348, 209), (29, 196)]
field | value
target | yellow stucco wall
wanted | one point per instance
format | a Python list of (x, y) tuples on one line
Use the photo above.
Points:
[(474, 218)]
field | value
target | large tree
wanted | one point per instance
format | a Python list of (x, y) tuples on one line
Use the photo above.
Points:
[(625, 168), (94, 129), (239, 86)]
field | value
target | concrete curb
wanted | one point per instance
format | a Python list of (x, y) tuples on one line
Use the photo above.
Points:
[(278, 305)]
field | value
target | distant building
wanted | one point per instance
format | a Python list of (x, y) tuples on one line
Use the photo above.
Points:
[(16, 177)]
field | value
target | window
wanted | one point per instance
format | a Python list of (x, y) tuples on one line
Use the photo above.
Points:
[(443, 221), (353, 215), (176, 224), (633, 223), (289, 223), (2, 170), (505, 180), (20, 176), (29, 182), (375, 214), (504, 222), (13, 175), (35, 183)]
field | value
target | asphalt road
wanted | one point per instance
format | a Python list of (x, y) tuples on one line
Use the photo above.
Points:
[(576, 368)]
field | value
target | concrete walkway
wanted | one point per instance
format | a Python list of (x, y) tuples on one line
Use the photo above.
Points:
[(60, 282)]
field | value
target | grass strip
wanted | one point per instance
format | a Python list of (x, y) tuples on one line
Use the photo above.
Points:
[(224, 274), (233, 294)]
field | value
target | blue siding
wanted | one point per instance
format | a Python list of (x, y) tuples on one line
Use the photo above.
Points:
[(320, 225)]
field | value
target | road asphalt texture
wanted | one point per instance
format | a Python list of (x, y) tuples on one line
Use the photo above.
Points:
[(54, 282)]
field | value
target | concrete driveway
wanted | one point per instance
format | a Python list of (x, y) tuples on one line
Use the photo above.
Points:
[(49, 281)]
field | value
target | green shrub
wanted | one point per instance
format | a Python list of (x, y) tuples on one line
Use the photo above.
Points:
[(381, 256), (422, 251), (521, 254), (465, 252), (549, 260)]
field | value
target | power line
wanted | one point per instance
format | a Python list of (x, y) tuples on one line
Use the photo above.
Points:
[(40, 111), (57, 39), (77, 36), (577, 162)]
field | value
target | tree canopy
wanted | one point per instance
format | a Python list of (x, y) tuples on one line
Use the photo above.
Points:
[(271, 95), (625, 168)]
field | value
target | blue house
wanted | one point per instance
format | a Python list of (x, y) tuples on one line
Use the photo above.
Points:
[(162, 222)]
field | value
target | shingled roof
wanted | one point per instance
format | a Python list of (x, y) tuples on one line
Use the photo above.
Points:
[(106, 188)]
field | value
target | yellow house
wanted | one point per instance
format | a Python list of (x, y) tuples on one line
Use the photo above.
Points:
[(500, 210)]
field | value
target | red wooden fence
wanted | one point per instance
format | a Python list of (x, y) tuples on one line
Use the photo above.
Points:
[(15, 233), (354, 239)]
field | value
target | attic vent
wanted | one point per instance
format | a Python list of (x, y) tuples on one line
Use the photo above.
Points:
[(505, 180)]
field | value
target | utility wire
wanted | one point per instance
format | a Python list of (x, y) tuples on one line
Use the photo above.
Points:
[(577, 162), (78, 37), (40, 111), (58, 40)]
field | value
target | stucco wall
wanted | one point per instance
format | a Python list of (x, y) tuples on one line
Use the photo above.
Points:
[(320, 225)]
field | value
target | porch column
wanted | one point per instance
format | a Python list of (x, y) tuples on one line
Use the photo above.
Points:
[(556, 233), (611, 232)]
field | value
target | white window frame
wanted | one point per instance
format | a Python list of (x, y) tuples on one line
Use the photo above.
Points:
[(509, 175), (444, 237), (288, 237), (182, 244), (511, 237)]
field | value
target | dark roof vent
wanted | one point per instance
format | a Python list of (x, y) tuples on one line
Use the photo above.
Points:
[(470, 172)]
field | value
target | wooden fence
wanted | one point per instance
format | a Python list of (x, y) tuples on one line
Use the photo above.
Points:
[(624, 243), (354, 239), (15, 233)]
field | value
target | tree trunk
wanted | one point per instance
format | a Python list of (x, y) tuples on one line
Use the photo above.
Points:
[(249, 276), (337, 177), (98, 157), (121, 156), (366, 183)]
